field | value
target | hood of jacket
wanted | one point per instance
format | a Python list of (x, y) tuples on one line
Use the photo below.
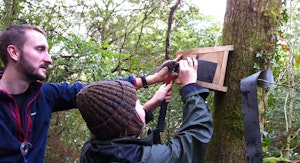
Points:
[(126, 149)]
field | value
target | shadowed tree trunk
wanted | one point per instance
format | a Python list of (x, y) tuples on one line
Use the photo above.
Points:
[(250, 25)]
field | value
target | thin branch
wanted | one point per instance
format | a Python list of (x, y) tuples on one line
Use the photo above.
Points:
[(170, 21), (295, 135), (283, 85)]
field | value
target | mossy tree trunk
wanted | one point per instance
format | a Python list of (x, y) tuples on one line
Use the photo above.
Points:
[(249, 25)]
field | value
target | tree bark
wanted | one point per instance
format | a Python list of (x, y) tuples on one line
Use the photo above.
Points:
[(250, 25)]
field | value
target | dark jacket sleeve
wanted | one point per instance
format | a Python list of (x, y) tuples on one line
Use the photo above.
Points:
[(191, 140), (129, 79), (62, 96)]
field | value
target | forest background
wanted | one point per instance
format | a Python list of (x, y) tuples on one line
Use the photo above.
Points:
[(101, 40)]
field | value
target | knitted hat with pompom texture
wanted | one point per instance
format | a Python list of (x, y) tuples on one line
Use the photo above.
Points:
[(108, 108)]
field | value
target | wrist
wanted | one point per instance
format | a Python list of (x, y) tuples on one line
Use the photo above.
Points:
[(151, 79), (151, 105), (144, 81)]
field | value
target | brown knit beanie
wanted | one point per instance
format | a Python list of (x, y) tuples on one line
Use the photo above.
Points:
[(108, 107)]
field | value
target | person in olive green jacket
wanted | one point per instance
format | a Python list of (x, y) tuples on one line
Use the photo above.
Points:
[(115, 118)]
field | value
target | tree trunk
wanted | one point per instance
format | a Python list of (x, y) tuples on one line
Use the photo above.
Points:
[(250, 25)]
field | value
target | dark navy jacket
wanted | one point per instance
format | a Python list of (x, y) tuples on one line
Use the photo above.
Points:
[(43, 99)]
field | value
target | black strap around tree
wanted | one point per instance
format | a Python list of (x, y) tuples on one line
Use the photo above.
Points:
[(250, 111)]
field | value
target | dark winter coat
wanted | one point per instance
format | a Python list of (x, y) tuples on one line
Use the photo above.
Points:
[(187, 146)]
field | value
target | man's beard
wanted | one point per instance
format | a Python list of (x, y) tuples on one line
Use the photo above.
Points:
[(29, 70)]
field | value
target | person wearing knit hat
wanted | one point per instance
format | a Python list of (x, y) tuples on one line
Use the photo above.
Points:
[(108, 107), (115, 118), (111, 109)]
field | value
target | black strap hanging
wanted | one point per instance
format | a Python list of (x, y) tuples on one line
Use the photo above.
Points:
[(250, 111)]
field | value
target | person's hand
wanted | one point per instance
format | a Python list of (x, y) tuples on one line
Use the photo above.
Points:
[(163, 93), (161, 76), (188, 71)]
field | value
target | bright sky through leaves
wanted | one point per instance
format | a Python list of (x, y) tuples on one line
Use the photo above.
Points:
[(215, 8)]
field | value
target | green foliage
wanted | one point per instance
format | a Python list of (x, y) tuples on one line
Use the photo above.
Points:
[(281, 131), (275, 160), (9, 12), (274, 141), (100, 40), (66, 136)]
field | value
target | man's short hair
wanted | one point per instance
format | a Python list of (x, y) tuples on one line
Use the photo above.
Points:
[(14, 35)]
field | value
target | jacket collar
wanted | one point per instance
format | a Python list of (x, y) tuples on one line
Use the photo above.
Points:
[(34, 87)]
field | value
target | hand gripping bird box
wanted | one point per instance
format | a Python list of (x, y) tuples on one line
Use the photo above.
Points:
[(212, 62)]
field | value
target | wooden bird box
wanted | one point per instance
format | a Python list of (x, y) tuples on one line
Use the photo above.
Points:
[(217, 55)]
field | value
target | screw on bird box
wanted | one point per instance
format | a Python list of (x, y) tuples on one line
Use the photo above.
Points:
[(218, 56)]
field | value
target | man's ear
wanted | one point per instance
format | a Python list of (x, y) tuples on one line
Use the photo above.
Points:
[(13, 52)]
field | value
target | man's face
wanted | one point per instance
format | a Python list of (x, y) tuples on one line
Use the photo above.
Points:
[(34, 59)]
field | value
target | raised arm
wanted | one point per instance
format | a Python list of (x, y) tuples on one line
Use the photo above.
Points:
[(157, 77), (192, 138), (163, 93)]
